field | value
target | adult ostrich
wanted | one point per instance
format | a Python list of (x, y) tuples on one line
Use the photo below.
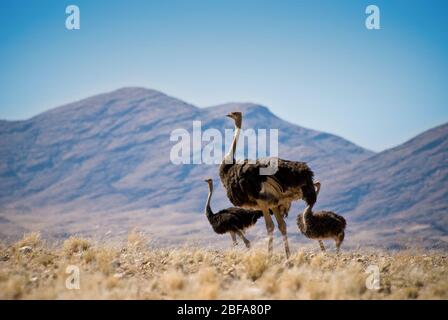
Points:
[(231, 220), (247, 187)]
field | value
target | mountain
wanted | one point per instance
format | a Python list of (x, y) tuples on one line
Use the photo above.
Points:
[(103, 164), (113, 151)]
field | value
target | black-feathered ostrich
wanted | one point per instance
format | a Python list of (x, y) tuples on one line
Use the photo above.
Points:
[(231, 220), (247, 188), (322, 225)]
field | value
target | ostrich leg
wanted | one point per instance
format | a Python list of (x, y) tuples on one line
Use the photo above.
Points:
[(339, 240), (269, 229), (232, 234), (322, 247), (282, 227), (246, 242)]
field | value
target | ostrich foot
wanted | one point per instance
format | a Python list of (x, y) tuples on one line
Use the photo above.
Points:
[(322, 247), (288, 263)]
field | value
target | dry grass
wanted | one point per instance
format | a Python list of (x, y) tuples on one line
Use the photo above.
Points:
[(31, 269)]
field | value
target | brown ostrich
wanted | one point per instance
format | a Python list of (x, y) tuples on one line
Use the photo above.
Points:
[(247, 188), (322, 225), (231, 220)]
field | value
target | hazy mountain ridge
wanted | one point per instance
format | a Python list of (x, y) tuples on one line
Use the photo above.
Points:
[(118, 142), (106, 155), (419, 165)]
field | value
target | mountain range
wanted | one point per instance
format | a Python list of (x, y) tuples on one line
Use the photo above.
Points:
[(101, 166)]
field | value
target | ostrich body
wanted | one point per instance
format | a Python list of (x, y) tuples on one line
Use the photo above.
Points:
[(231, 220), (247, 188), (322, 225)]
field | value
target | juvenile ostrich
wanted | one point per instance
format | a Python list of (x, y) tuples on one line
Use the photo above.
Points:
[(231, 220), (247, 188), (322, 225)]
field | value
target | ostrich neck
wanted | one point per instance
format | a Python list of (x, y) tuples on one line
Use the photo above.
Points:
[(230, 156), (307, 215), (208, 209)]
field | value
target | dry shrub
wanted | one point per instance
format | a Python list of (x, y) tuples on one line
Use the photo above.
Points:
[(89, 255), (32, 240), (136, 239), (75, 245), (45, 259), (298, 258), (104, 258), (255, 264)]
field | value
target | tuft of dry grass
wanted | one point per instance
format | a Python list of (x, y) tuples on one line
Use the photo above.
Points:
[(32, 240), (255, 264), (31, 269), (74, 245)]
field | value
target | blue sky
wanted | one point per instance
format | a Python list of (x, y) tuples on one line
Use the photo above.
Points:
[(311, 62)]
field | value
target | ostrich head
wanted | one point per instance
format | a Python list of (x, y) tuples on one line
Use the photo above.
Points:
[(209, 181), (237, 117), (317, 187)]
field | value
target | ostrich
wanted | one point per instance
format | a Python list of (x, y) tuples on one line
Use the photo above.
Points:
[(231, 220), (247, 188), (322, 225)]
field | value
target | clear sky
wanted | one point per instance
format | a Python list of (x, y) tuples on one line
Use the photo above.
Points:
[(311, 62)]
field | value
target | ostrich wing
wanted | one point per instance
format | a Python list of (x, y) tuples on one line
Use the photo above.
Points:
[(245, 185)]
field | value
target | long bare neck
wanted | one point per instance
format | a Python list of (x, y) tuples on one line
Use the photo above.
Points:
[(308, 213), (230, 156), (208, 209), (307, 217)]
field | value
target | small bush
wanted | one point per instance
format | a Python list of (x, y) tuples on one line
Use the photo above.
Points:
[(75, 245)]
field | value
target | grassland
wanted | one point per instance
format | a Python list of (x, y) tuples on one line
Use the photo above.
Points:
[(34, 269)]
